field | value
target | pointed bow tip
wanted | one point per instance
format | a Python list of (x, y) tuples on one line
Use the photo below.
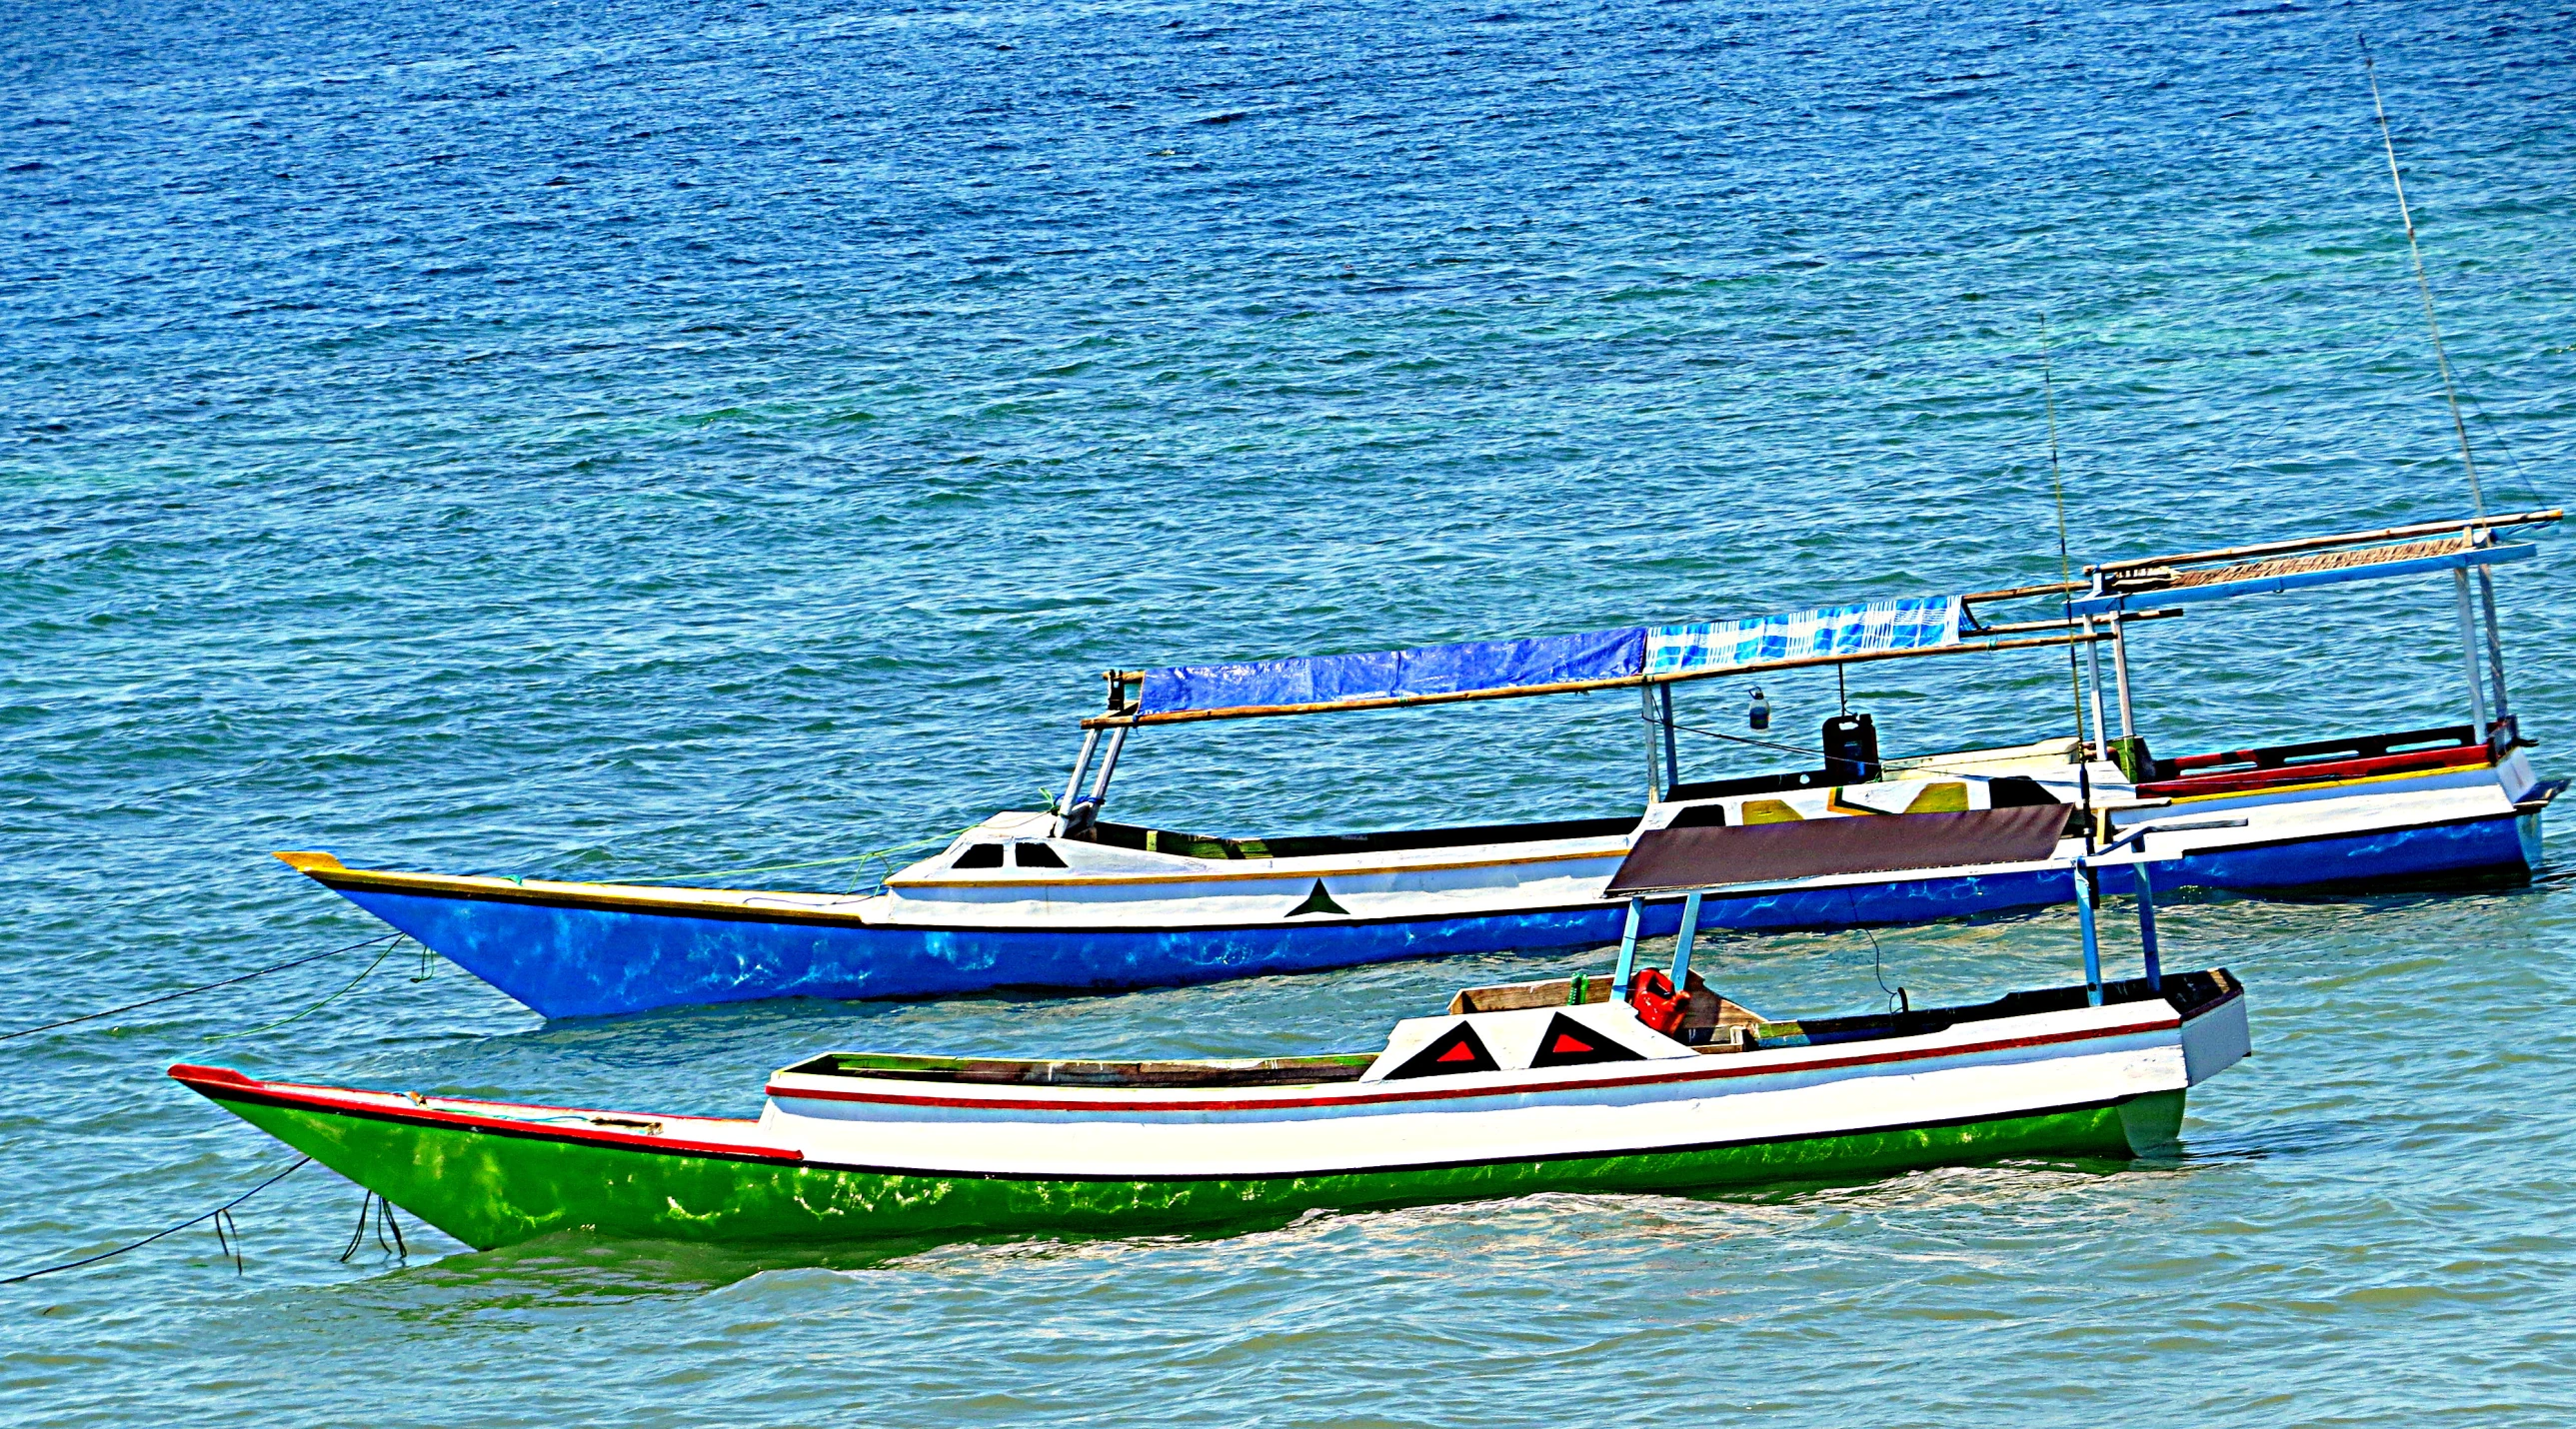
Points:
[(308, 862), (190, 1074)]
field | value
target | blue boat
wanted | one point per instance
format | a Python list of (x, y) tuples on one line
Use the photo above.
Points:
[(1063, 898)]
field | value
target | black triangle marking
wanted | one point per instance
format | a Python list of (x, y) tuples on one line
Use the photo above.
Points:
[(1318, 901), (1457, 1050), (1568, 1043)]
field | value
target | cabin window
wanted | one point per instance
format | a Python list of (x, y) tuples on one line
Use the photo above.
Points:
[(979, 856), (1039, 856)]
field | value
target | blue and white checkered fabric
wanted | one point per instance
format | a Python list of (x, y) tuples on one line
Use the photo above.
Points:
[(1915, 623)]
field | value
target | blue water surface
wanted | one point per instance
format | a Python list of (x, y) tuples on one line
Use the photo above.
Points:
[(643, 440)]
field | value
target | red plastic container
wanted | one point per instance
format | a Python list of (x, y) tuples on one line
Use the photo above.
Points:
[(1658, 1006)]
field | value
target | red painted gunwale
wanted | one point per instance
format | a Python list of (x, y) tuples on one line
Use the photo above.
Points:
[(218, 1082), (2244, 780)]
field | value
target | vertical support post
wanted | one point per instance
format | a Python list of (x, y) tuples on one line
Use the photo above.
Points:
[(2147, 921), (1108, 765), (2469, 652), (2086, 890), (1073, 786), (2101, 727), (2120, 667), (1628, 950), (1646, 705), (1682, 945), (2495, 642), (1672, 755)]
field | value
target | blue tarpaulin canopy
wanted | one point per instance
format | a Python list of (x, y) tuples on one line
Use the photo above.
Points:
[(1560, 662), (1318, 680)]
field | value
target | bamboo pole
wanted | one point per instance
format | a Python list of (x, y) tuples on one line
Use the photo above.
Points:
[(2020, 592), (2319, 543), (2018, 626)]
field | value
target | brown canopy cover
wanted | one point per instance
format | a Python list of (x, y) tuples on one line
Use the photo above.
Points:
[(1667, 860)]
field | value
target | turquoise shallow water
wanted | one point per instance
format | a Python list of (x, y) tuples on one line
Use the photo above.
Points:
[(690, 437)]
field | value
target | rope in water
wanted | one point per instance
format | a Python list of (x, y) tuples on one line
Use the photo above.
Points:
[(201, 987), (352, 986), (218, 1215), (385, 1221)]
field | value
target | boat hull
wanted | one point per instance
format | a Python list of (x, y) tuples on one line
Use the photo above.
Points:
[(490, 1190), (574, 955), (870, 1147)]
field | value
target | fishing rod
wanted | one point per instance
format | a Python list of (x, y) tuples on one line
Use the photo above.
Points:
[(2484, 579), (2423, 283), (2066, 576)]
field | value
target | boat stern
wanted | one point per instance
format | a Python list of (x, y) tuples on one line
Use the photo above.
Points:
[(2215, 1038)]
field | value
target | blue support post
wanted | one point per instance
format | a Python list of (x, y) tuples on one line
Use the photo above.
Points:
[(2147, 927), (2084, 893), (1682, 945), (1628, 949)]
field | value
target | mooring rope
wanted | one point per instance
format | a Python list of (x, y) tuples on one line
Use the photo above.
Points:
[(220, 1215), (201, 987), (334, 997), (1877, 969), (385, 1221)]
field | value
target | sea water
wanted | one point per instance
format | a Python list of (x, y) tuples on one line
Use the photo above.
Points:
[(662, 439)]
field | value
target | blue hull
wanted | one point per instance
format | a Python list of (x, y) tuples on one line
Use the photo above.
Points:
[(575, 961)]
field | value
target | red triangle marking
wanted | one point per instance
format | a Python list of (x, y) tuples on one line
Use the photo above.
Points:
[(1460, 1053), (1567, 1042)]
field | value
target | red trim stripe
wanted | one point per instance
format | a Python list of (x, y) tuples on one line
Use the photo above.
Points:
[(222, 1083), (2237, 781), (1720, 1072)]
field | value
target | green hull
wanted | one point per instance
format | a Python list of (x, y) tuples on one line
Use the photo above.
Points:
[(492, 1190)]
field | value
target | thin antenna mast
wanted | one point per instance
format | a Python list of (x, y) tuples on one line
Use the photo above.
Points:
[(2066, 574), (2423, 285)]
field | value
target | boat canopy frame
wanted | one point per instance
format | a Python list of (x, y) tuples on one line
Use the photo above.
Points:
[(2460, 547), (1698, 861), (2093, 611), (2137, 589)]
